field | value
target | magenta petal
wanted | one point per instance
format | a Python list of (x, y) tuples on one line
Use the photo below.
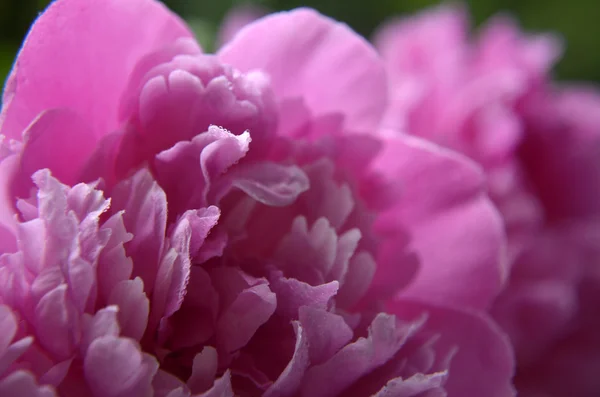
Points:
[(292, 294), (57, 373), (332, 68), (289, 381), (194, 322), (270, 183), (168, 385), (251, 309), (326, 333), (86, 65), (441, 190), (483, 364), (418, 385), (357, 359), (221, 388), (204, 369)]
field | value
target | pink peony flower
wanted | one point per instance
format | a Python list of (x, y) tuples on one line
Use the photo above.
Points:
[(540, 147), (176, 223)]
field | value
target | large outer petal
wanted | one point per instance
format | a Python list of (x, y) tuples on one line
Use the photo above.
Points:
[(483, 364), (454, 228), (313, 57), (79, 55)]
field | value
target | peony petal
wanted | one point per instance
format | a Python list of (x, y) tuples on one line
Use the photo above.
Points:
[(23, 383), (326, 333), (293, 294), (10, 351), (9, 166), (104, 323), (54, 320), (194, 323), (357, 359), (59, 140), (133, 306), (86, 65), (113, 263), (251, 309), (332, 68), (483, 364), (418, 385), (206, 158), (441, 190), (204, 370), (221, 388), (236, 19), (289, 381), (116, 367), (270, 183), (145, 216), (8, 327)]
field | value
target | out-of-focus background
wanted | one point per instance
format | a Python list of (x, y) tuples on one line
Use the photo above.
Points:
[(576, 21)]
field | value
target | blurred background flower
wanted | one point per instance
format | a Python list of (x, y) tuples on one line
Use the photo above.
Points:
[(574, 20)]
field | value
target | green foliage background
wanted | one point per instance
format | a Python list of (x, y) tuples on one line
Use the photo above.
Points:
[(576, 21)]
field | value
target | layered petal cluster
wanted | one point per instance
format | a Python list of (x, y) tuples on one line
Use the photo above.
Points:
[(177, 223), (492, 99)]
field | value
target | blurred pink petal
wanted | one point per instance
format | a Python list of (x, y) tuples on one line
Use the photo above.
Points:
[(235, 20)]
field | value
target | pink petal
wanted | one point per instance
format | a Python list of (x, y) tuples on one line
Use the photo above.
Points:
[(441, 190), (270, 183), (145, 216), (221, 388), (104, 323), (289, 380), (293, 294), (357, 359), (332, 68), (23, 383), (9, 166), (205, 158), (236, 19), (54, 321), (86, 64), (326, 333), (204, 370), (133, 306), (9, 350), (113, 263), (8, 327), (251, 309), (59, 140), (418, 385), (115, 367), (194, 322), (483, 364)]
